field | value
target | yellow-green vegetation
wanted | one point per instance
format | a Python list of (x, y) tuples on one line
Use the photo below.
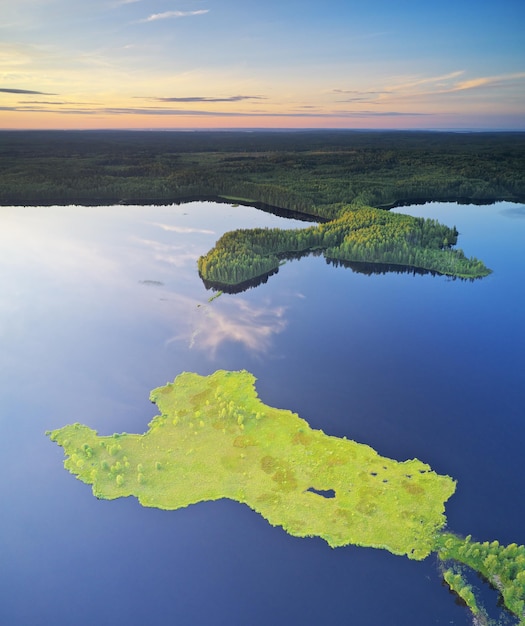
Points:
[(215, 439), (359, 234), (459, 586), (502, 566), (215, 296)]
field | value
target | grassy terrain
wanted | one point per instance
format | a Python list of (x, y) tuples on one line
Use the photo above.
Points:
[(215, 439)]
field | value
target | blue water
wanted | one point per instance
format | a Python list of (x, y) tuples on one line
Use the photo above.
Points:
[(100, 305)]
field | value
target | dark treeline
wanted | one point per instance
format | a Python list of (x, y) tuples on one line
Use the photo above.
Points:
[(314, 172), (360, 234), (319, 174)]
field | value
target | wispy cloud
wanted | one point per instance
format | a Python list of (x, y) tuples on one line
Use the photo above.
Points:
[(488, 81), (514, 212), (31, 103), (204, 98), (356, 95), (442, 86), (399, 88), (381, 114), (356, 91), (116, 4), (159, 111), (184, 229), (235, 321), (173, 15), (430, 80), (25, 92), (177, 256), (48, 103), (428, 87), (306, 114)]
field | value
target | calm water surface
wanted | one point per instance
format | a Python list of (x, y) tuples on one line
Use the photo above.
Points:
[(100, 305)]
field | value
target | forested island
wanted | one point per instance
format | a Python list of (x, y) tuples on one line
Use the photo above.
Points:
[(360, 234), (215, 439)]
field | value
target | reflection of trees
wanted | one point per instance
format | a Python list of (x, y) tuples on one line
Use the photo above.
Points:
[(380, 268), (368, 269), (363, 236), (239, 287), (262, 206), (258, 280)]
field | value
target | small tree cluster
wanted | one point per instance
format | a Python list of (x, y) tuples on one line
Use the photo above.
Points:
[(503, 566)]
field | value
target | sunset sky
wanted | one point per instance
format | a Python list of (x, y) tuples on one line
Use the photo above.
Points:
[(262, 64)]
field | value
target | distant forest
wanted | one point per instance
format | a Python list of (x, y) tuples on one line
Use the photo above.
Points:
[(312, 172)]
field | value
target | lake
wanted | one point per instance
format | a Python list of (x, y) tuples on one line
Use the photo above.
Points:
[(100, 305)]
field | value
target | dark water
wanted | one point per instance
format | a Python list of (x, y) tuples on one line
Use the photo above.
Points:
[(100, 305)]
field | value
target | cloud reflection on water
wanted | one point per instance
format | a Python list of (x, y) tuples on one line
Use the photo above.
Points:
[(185, 230), (514, 212), (176, 255), (232, 320), (65, 261)]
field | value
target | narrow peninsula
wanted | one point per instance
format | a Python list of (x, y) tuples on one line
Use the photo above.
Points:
[(214, 438)]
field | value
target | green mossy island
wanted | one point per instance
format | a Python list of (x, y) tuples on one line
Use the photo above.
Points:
[(214, 439)]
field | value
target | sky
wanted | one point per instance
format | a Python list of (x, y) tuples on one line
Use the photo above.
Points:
[(86, 64)]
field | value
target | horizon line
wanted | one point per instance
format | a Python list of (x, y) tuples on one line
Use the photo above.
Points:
[(465, 129)]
